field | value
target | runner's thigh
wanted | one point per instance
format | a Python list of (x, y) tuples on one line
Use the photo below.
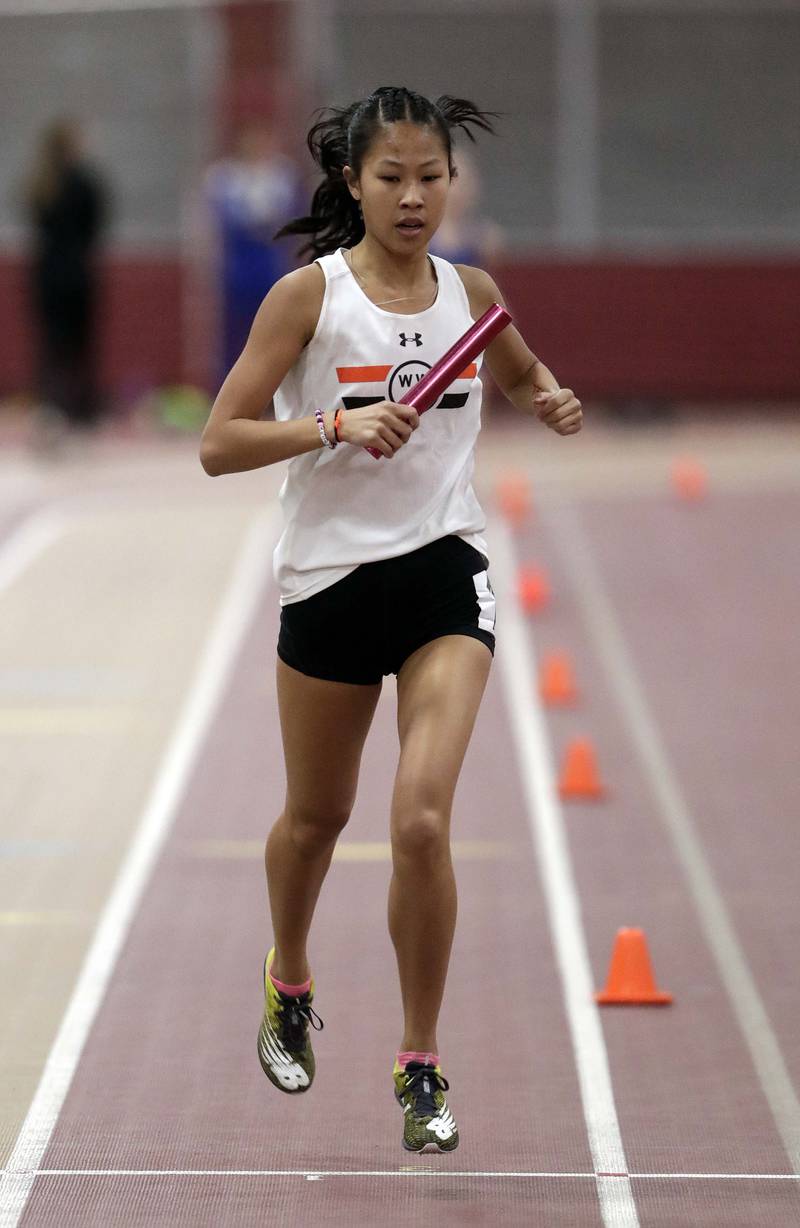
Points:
[(324, 726), (439, 690)]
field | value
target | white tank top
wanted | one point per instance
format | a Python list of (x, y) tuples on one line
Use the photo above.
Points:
[(342, 507)]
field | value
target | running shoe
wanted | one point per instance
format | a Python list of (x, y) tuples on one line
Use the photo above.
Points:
[(284, 1047), (428, 1123)]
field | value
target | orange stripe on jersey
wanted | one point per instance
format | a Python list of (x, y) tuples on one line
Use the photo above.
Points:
[(469, 372), (362, 375)]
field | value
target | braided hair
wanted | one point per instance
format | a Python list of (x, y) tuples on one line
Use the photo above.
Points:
[(343, 136)]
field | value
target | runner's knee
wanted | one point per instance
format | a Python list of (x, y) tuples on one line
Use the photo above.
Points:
[(312, 828), (420, 832)]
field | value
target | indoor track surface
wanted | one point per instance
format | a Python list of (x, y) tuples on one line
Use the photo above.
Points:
[(142, 770)]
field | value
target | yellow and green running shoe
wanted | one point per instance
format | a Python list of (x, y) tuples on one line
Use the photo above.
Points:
[(284, 1048), (428, 1123)]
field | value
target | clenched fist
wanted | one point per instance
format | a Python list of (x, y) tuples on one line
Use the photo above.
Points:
[(384, 425), (560, 410)]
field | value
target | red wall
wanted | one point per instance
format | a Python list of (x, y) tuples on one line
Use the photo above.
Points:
[(258, 80), (139, 324), (697, 330)]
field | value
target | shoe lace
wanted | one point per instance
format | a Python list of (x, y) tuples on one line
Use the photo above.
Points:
[(295, 1015), (422, 1082)]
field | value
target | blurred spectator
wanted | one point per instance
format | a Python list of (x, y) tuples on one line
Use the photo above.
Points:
[(66, 204), (464, 236), (251, 194)]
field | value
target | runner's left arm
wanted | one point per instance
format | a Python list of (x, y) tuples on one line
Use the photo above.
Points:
[(519, 374)]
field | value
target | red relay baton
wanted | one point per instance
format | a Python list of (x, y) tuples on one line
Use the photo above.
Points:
[(442, 374)]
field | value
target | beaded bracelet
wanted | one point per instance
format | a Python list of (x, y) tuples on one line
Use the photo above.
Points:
[(322, 432), (336, 424)]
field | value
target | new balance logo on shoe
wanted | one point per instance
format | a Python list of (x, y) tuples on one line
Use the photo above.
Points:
[(289, 1074), (443, 1127)]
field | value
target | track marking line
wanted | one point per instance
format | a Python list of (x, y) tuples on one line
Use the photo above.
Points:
[(318, 1173), (351, 850), (111, 720), (27, 542), (234, 617), (718, 928), (518, 665), (19, 847), (48, 916)]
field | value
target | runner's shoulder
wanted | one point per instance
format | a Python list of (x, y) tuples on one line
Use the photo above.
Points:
[(481, 289), (295, 301)]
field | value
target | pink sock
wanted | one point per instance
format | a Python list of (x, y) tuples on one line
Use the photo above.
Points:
[(291, 991), (427, 1059)]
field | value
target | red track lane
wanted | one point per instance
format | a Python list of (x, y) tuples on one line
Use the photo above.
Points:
[(703, 605), (723, 674), (169, 1078)]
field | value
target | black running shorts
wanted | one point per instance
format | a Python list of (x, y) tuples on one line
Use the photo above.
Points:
[(367, 624)]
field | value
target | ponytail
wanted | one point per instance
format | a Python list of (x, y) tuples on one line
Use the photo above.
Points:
[(335, 219), (343, 136), (459, 113)]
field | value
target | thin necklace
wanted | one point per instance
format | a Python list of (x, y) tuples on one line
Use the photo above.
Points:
[(387, 301)]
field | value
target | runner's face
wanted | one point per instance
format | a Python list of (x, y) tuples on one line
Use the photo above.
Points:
[(403, 186)]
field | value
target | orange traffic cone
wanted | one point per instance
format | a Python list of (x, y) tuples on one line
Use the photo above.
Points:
[(556, 681), (630, 974), (579, 775), (690, 479), (533, 588), (514, 498)]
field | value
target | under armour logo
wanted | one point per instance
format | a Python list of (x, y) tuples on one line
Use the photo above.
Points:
[(417, 339)]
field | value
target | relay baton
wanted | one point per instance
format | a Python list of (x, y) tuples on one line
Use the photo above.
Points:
[(442, 374)]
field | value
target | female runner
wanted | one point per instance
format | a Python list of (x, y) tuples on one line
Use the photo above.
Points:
[(382, 565)]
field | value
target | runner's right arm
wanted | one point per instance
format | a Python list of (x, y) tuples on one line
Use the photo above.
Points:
[(236, 439)]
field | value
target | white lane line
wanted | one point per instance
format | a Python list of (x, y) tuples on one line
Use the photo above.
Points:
[(517, 662), (718, 927), (27, 542), (715, 1177), (410, 1171), (234, 617)]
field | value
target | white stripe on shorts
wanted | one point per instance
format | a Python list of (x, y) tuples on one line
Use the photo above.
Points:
[(486, 601)]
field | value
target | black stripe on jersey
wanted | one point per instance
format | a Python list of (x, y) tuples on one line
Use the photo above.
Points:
[(360, 402), (450, 400)]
